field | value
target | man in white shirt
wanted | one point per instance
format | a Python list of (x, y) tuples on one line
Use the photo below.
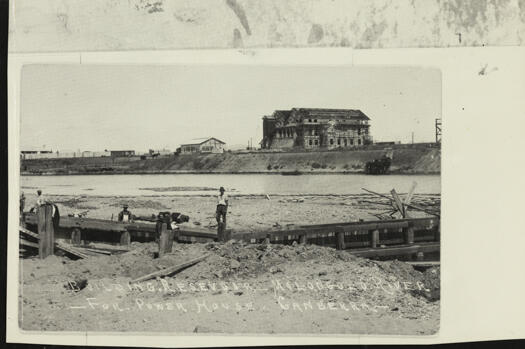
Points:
[(222, 206), (40, 200)]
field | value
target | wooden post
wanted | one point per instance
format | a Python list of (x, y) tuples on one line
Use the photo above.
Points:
[(158, 228), (398, 203), (46, 233), (176, 234), (76, 237), (125, 238), (302, 239), (166, 240), (227, 235), (22, 219), (340, 244), (409, 235), (374, 238), (220, 231)]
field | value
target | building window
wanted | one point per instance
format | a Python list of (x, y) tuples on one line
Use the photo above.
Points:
[(359, 141), (310, 142), (339, 141), (316, 142), (331, 141), (315, 120), (313, 132), (309, 120), (351, 141), (358, 131), (346, 142)]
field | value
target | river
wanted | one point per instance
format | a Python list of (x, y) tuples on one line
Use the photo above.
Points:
[(235, 184)]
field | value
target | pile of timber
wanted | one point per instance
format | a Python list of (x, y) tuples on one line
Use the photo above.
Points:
[(370, 238), (30, 244), (144, 231), (400, 207)]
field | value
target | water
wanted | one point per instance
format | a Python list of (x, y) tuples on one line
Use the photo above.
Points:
[(235, 184)]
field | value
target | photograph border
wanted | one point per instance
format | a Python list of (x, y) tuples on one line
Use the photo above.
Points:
[(455, 64)]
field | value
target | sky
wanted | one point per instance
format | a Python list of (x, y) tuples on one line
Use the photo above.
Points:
[(139, 107)]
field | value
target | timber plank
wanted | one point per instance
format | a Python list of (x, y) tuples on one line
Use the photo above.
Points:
[(170, 270), (70, 250), (28, 232), (24, 242), (397, 250)]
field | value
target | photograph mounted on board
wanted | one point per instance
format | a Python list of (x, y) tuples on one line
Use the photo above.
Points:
[(230, 199)]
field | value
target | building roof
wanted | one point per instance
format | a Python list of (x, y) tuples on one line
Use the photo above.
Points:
[(207, 139), (279, 114), (318, 113), (322, 113)]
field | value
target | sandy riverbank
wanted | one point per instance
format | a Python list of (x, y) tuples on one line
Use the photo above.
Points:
[(246, 213), (239, 288)]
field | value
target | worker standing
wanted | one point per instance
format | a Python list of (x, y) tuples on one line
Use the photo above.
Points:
[(40, 200), (22, 206), (125, 215), (22, 202), (222, 206)]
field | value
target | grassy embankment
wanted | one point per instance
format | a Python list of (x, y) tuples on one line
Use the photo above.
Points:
[(407, 160)]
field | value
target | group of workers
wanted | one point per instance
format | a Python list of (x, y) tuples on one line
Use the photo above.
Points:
[(220, 213), (126, 216), (40, 201)]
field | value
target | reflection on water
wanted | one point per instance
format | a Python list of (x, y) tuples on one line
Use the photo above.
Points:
[(245, 184)]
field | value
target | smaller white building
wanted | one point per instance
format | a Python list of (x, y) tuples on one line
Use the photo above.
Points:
[(209, 145)]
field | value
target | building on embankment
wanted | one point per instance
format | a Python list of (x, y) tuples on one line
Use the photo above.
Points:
[(122, 153), (208, 145), (314, 128)]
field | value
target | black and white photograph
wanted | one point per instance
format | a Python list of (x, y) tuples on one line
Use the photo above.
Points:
[(221, 173), (230, 199)]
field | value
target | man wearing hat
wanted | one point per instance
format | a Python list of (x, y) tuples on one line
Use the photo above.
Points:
[(222, 206), (124, 215)]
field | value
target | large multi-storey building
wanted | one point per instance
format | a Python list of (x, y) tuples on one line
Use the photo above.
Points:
[(312, 128)]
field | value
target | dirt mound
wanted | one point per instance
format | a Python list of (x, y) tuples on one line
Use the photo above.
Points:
[(237, 258), (296, 284), (430, 278)]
